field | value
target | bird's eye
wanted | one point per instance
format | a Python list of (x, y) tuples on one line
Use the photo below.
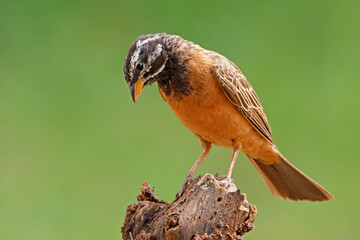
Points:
[(139, 66)]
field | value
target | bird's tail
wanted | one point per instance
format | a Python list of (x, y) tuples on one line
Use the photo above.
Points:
[(286, 181)]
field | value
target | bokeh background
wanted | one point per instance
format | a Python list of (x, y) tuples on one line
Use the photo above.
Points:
[(74, 148)]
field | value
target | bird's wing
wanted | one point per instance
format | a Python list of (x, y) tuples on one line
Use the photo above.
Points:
[(241, 94)]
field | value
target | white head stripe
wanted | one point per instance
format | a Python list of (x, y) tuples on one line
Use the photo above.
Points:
[(157, 51), (151, 57), (140, 43)]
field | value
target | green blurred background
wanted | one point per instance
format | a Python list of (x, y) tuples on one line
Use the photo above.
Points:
[(74, 148)]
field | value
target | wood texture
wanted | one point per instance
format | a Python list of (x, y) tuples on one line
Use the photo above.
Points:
[(206, 210)]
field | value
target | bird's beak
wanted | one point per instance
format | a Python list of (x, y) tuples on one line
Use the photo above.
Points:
[(137, 88)]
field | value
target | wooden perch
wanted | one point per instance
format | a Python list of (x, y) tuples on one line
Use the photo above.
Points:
[(206, 210)]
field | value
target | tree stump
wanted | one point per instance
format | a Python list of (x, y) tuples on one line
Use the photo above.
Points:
[(206, 210)]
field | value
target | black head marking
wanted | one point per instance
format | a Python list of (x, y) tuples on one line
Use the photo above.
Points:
[(146, 57), (156, 57)]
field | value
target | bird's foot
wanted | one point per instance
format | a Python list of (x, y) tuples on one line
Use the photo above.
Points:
[(226, 182), (188, 178)]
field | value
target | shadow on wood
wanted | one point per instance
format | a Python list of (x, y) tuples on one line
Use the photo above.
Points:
[(206, 210)]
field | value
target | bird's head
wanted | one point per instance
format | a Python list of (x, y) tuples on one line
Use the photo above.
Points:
[(145, 60)]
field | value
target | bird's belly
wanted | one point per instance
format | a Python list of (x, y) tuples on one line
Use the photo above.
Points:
[(213, 118)]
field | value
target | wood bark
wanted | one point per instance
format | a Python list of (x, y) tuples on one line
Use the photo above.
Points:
[(206, 210)]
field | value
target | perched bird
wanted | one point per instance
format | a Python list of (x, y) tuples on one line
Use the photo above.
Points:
[(212, 98)]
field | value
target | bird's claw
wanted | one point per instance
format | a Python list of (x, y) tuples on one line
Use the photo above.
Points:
[(226, 182), (188, 178)]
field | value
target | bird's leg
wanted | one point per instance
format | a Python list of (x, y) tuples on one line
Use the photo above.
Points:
[(228, 180), (189, 176)]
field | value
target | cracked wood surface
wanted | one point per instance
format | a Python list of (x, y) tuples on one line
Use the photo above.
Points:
[(206, 210)]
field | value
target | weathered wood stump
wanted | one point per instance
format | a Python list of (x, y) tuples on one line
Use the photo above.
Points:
[(206, 210)]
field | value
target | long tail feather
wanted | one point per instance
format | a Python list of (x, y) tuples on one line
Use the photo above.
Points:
[(286, 181)]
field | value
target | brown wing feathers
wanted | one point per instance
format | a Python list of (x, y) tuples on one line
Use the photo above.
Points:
[(282, 178), (240, 93)]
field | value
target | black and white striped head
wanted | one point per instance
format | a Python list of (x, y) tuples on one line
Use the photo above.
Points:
[(146, 58)]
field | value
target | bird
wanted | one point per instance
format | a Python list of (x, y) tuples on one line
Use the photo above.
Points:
[(213, 99)]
